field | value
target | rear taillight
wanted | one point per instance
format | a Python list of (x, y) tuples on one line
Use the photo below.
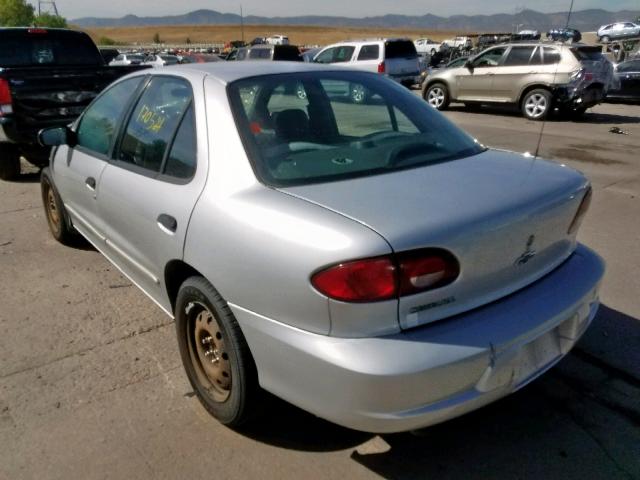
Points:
[(5, 98), (582, 210), (384, 278), (37, 31), (382, 67), (425, 270)]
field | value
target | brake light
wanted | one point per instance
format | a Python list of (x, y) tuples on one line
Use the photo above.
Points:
[(382, 67), (582, 211), (5, 98), (384, 278), (425, 270), (37, 31)]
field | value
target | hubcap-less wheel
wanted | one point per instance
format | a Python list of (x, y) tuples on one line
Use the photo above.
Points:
[(536, 105), (436, 97), (209, 353), (53, 214)]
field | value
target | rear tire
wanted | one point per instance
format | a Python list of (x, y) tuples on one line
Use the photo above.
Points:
[(437, 95), (536, 104), (605, 39), (9, 162), (215, 354), (57, 216), (358, 93)]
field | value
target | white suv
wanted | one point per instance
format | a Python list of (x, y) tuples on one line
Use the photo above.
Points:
[(397, 58)]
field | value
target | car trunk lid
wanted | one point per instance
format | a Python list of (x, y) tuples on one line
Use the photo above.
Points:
[(503, 216)]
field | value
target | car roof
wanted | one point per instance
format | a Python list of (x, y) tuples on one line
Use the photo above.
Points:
[(227, 72)]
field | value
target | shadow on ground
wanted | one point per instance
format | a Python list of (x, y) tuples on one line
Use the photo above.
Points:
[(557, 427), (588, 117)]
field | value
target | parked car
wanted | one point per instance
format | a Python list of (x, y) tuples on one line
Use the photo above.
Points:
[(200, 58), (460, 42), (258, 41), (370, 263), (395, 57), (108, 54), (47, 78), (159, 61), (277, 40), (626, 83), (564, 35), (309, 54), (426, 46), (534, 77), (617, 31), (126, 59), (270, 52)]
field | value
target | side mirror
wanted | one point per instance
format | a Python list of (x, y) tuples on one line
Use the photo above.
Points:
[(469, 65), (54, 137)]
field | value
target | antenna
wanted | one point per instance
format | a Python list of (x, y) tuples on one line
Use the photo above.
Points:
[(49, 7), (544, 122), (241, 24)]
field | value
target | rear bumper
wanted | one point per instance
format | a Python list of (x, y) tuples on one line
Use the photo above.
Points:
[(579, 97), (433, 373)]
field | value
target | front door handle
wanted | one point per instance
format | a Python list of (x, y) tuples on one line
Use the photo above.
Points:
[(91, 183), (167, 223)]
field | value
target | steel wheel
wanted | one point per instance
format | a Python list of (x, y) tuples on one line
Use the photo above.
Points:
[(57, 217), (209, 352), (215, 354)]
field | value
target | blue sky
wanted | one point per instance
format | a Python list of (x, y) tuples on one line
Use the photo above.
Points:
[(352, 8)]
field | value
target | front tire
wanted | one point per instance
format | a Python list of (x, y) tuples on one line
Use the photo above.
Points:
[(536, 104), (605, 39), (437, 95), (215, 354), (9, 162), (57, 216)]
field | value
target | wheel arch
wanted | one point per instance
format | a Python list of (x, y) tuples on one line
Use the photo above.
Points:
[(529, 88), (432, 82), (175, 273)]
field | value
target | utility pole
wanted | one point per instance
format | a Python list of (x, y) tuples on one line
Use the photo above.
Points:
[(241, 24), (50, 5)]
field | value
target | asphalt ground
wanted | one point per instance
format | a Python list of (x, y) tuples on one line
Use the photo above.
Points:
[(91, 383)]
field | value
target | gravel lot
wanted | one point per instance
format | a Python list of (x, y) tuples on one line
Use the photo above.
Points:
[(91, 384)]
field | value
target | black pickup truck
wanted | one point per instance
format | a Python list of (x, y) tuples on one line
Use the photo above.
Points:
[(47, 78)]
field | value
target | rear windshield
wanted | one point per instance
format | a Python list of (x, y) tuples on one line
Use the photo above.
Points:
[(587, 53), (35, 47), (315, 127), (287, 52), (400, 49)]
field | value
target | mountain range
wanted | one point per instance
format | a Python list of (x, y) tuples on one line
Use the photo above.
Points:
[(585, 20)]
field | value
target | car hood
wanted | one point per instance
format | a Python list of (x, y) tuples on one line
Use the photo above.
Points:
[(488, 210)]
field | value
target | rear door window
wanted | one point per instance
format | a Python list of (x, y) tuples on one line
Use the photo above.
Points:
[(182, 159), (153, 123), (369, 52), (551, 56), (519, 56)]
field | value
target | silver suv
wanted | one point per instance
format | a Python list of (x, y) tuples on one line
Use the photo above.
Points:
[(536, 77)]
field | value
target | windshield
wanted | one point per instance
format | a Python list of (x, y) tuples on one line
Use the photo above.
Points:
[(318, 127)]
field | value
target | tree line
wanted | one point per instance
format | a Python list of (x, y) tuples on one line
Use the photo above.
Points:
[(19, 13)]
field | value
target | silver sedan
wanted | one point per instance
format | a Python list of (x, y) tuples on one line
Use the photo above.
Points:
[(366, 261)]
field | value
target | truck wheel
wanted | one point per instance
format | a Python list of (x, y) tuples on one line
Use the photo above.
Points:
[(215, 354), (57, 216), (9, 162), (536, 104), (437, 96)]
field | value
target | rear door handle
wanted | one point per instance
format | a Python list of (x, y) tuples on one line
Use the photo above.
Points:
[(167, 223), (91, 183)]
